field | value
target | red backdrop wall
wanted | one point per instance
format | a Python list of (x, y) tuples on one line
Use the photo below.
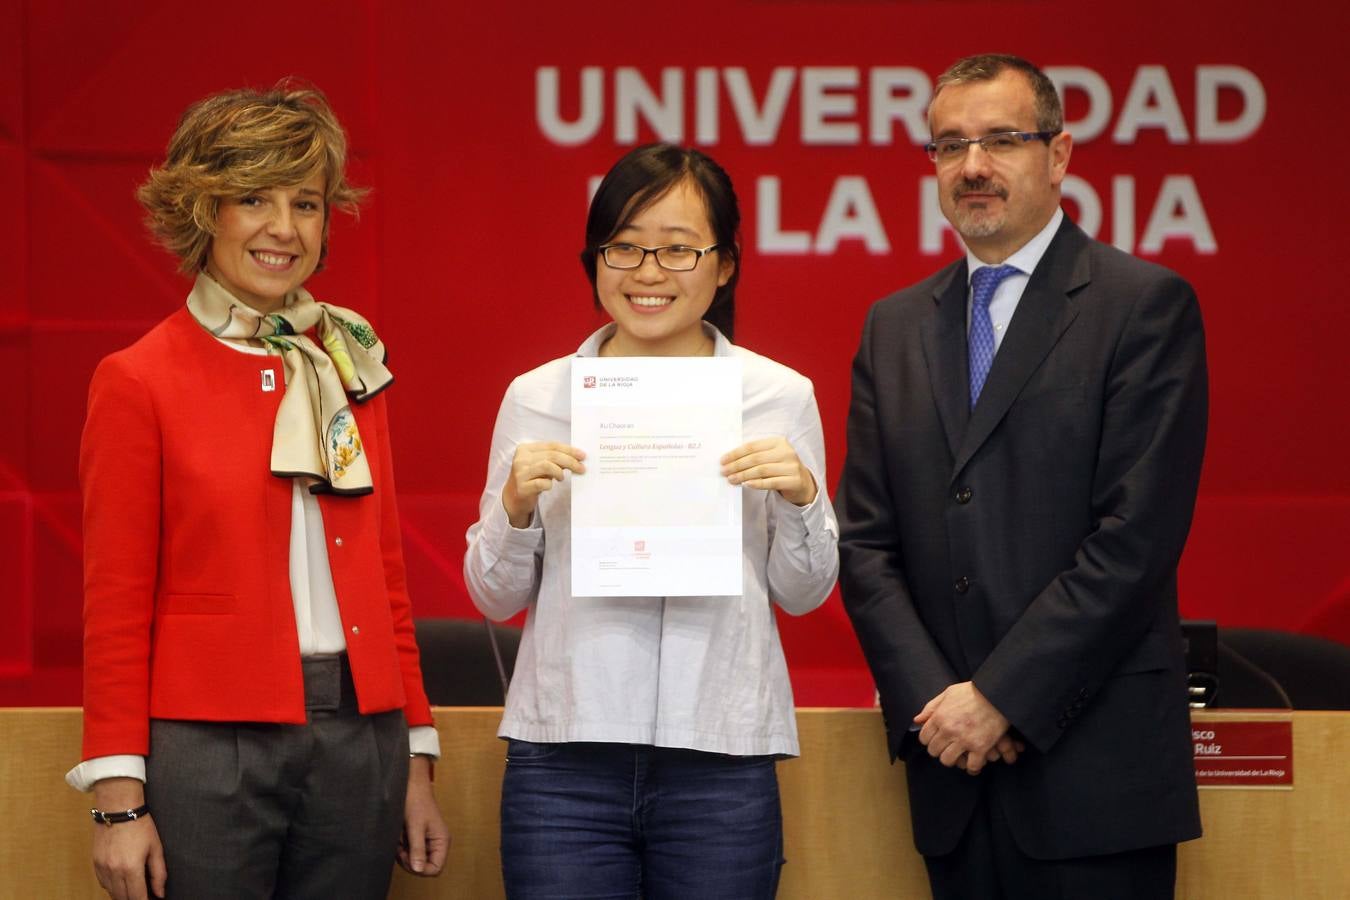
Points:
[(1203, 131)]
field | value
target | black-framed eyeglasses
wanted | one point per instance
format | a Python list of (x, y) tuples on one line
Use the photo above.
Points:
[(1000, 143), (672, 257)]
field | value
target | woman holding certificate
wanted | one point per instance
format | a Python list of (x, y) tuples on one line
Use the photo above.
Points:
[(643, 730)]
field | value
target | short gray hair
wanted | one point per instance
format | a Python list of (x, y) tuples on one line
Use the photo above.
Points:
[(988, 66)]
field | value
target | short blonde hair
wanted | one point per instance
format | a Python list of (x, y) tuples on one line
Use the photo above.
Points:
[(234, 143)]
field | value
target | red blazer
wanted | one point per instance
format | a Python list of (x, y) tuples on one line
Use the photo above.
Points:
[(188, 611)]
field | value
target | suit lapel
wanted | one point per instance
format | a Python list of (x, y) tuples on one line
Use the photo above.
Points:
[(944, 347), (1043, 313)]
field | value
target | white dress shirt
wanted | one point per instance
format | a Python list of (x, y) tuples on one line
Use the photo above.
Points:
[(703, 673), (1009, 291)]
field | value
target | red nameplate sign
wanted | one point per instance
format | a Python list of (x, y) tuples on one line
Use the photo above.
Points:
[(1243, 754)]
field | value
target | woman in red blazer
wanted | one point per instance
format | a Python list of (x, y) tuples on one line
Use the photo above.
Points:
[(250, 669)]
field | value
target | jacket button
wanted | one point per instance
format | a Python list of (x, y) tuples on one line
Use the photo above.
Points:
[(356, 629), (337, 541), (963, 496), (962, 584)]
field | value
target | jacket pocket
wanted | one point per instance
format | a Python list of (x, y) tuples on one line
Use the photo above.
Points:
[(196, 604)]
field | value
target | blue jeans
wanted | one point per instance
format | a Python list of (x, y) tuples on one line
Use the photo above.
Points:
[(619, 821)]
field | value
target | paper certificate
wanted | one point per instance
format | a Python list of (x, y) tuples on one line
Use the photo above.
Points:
[(653, 516)]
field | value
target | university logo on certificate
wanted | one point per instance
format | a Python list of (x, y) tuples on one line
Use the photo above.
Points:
[(653, 516)]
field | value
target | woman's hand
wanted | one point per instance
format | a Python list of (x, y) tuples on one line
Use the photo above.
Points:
[(534, 468), (125, 853), (770, 464), (426, 840)]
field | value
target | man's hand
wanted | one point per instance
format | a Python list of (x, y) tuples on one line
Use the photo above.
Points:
[(960, 725), (1007, 748), (126, 853), (426, 840)]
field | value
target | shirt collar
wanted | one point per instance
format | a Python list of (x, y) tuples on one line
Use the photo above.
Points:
[(1028, 256)]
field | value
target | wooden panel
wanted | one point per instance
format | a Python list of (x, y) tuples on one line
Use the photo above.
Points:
[(848, 832)]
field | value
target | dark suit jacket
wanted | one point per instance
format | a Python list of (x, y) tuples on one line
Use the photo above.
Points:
[(1031, 544)]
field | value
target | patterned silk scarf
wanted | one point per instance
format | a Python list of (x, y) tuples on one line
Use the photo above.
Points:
[(315, 435)]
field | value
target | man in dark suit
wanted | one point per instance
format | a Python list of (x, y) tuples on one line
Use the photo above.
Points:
[(1024, 445)]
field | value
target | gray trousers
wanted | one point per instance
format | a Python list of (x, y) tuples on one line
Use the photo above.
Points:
[(258, 810)]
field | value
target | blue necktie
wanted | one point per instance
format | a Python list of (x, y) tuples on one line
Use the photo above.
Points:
[(982, 286)]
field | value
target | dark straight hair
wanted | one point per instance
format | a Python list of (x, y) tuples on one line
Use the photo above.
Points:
[(643, 176)]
